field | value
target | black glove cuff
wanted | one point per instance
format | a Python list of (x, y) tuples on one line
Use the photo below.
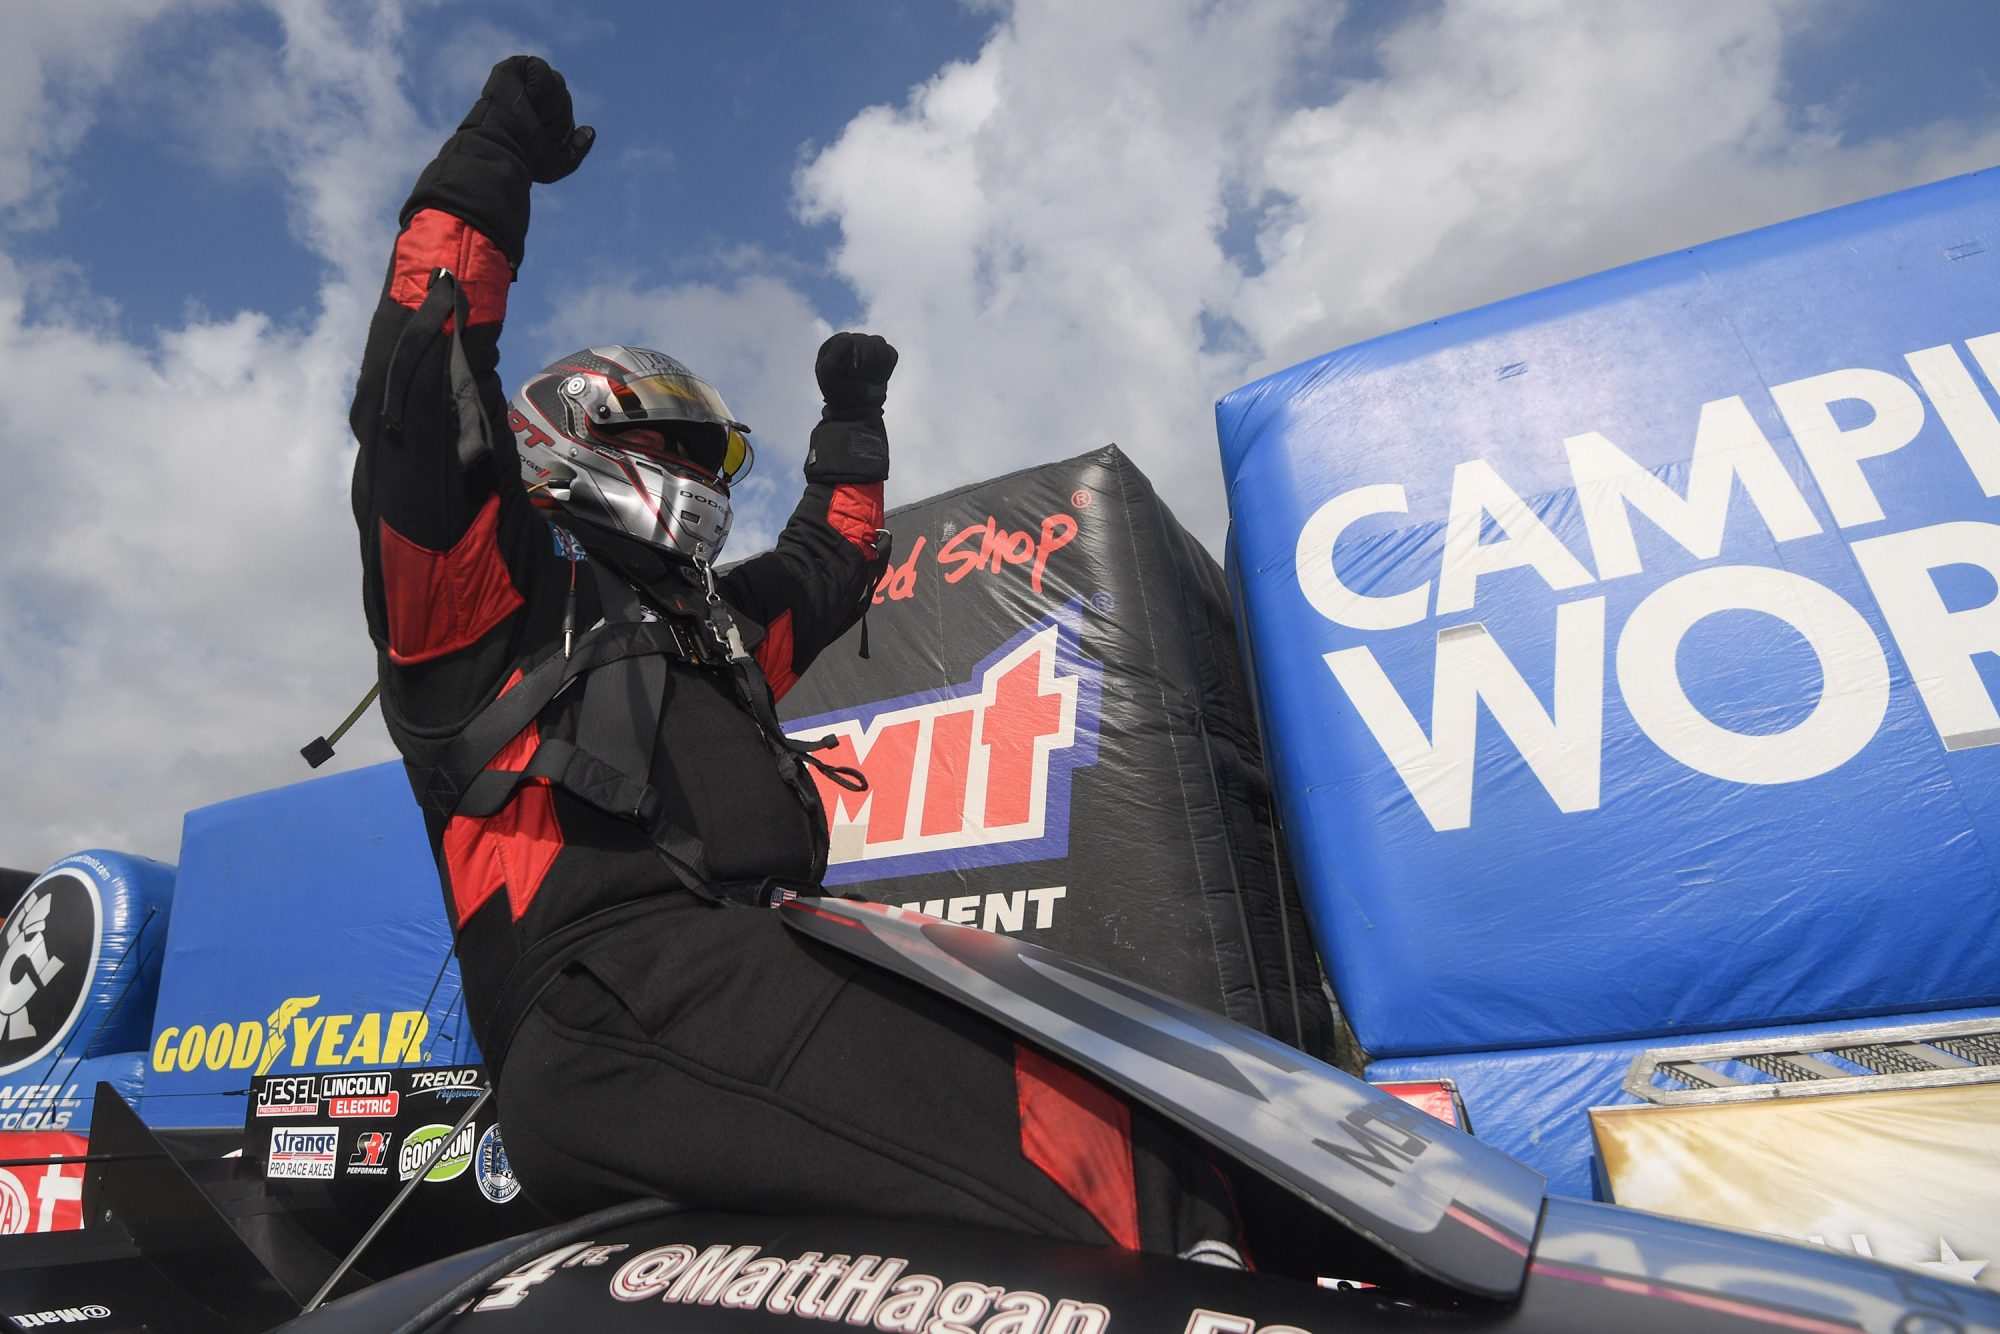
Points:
[(855, 403), (848, 451), (479, 175)]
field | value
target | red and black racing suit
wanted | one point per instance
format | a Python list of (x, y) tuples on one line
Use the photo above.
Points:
[(699, 1052)]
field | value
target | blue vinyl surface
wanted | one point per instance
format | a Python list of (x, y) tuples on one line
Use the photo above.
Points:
[(309, 935), (1589, 630)]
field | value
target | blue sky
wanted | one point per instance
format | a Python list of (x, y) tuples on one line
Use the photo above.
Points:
[(1080, 222), (722, 99)]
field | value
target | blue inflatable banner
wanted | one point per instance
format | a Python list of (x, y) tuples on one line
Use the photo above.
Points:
[(80, 955), (308, 936), (1627, 650)]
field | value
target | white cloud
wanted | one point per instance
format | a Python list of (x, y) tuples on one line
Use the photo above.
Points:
[(179, 584), (178, 589), (1041, 229), (1039, 232), (1516, 143)]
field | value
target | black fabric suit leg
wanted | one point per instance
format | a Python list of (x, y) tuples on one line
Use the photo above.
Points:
[(870, 1097)]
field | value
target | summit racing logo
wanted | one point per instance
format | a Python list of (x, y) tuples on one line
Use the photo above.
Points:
[(48, 955), (977, 774)]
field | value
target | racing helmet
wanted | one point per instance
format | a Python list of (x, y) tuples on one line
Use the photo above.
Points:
[(628, 439)]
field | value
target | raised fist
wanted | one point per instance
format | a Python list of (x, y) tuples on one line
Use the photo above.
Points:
[(529, 102), (853, 371)]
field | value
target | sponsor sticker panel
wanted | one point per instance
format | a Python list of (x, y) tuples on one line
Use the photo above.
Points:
[(383, 1131), (376, 1131)]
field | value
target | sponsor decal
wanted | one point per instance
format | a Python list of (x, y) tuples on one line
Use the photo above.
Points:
[(371, 1154), (1384, 1141), (567, 546), (382, 1106), (288, 1095), (489, 1165), (292, 1037), (360, 1095), (508, 1291), (47, 1198), (977, 774), (1734, 482), (38, 1106), (1002, 910), (302, 1153), (857, 1290), (1949, 1262), (988, 547), (373, 1084), (16, 1215), (421, 1143), (66, 1315), (457, 1082), (48, 956)]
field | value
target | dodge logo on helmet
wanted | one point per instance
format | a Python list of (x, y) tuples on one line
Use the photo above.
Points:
[(630, 440)]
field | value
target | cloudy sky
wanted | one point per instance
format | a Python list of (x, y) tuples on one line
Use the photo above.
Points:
[(1080, 222)]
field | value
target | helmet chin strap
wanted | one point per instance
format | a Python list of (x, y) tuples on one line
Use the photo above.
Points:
[(718, 613), (755, 692)]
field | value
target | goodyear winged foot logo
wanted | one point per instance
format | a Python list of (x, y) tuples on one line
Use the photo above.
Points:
[(293, 1036), (976, 774)]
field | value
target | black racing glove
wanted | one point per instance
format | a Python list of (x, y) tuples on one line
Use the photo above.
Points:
[(521, 130), (529, 103), (850, 443)]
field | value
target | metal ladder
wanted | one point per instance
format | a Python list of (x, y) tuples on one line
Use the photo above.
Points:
[(1857, 1060)]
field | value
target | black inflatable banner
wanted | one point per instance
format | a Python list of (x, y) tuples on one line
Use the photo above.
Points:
[(1059, 744)]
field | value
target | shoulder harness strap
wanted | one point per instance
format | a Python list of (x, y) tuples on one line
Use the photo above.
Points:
[(623, 664)]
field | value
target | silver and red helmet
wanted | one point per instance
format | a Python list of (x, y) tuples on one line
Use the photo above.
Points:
[(629, 439)]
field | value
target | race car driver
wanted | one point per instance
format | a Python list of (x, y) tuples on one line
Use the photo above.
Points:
[(584, 704)]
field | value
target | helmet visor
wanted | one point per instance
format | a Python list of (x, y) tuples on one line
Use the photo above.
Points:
[(670, 397), (717, 450), (693, 417)]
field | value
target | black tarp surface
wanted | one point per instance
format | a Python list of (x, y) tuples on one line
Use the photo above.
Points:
[(1059, 741)]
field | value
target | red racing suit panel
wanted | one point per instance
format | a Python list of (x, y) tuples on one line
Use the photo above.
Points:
[(434, 239), (766, 587), (438, 602), (1080, 1134)]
